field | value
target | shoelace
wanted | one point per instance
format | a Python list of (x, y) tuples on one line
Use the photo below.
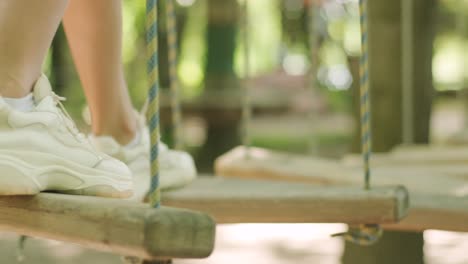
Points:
[(67, 120)]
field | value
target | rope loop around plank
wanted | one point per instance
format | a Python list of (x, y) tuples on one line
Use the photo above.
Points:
[(363, 235)]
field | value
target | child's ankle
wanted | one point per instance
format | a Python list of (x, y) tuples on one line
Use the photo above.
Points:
[(124, 134)]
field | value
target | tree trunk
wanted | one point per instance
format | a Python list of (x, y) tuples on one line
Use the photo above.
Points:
[(386, 94), (223, 17)]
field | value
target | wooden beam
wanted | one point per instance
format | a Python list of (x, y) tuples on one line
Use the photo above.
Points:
[(251, 201), (439, 198), (118, 226)]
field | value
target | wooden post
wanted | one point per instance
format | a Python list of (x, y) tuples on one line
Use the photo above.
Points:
[(221, 32)]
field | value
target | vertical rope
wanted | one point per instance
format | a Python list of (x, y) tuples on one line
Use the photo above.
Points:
[(153, 111), (246, 104), (313, 24), (364, 234), (171, 26), (364, 95), (153, 99), (407, 70)]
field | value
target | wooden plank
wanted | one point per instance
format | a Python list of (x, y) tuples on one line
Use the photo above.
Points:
[(439, 198), (416, 155), (265, 164), (119, 226), (431, 154), (251, 201), (440, 159), (434, 212), (380, 159), (407, 160)]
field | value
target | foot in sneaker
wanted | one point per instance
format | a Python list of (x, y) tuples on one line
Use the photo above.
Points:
[(42, 150), (177, 168)]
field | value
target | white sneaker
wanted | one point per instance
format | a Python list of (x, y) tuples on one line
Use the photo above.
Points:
[(42, 150), (177, 168)]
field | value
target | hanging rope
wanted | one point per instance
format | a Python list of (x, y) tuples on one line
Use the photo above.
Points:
[(171, 27), (153, 109), (364, 95), (313, 41), (153, 99), (246, 104), (20, 256), (365, 234)]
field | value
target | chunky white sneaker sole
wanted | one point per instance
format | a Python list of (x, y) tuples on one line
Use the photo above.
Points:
[(179, 174), (177, 169), (21, 178)]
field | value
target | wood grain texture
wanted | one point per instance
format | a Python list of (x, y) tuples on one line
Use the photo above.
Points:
[(119, 226), (253, 201), (439, 197)]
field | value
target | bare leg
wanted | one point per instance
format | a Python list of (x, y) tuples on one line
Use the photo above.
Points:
[(26, 32), (94, 31)]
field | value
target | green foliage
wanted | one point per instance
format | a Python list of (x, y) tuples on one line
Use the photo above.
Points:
[(264, 36)]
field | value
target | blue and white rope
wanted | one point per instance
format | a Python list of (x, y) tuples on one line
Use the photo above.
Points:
[(364, 95), (153, 98), (365, 234)]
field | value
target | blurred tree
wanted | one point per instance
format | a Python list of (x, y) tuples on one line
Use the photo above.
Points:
[(221, 32), (294, 22), (386, 93), (60, 62)]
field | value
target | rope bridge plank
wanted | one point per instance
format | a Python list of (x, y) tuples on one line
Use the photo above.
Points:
[(231, 200), (114, 225), (438, 200)]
